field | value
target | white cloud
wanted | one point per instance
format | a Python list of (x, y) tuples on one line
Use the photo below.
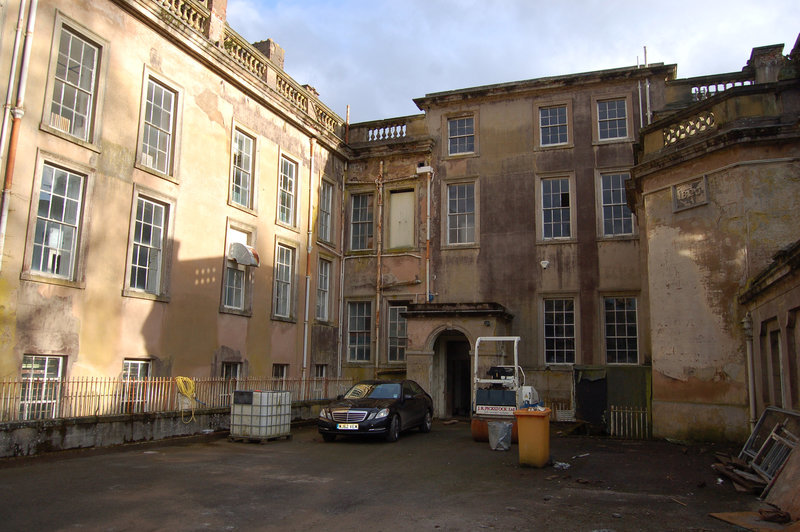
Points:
[(377, 56)]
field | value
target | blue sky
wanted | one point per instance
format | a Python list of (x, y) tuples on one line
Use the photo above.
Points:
[(377, 55)]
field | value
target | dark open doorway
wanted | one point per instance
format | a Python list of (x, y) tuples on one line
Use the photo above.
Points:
[(457, 386)]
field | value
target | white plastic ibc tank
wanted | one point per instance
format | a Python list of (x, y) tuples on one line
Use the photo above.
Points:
[(261, 415)]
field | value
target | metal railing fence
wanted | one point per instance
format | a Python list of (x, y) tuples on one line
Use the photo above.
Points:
[(42, 398)]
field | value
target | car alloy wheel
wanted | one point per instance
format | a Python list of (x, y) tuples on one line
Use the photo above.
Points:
[(426, 423), (394, 429)]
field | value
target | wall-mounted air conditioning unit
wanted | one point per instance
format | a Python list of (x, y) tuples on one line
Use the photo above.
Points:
[(261, 415)]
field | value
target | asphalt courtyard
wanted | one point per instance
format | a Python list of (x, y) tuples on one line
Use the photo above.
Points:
[(437, 481)]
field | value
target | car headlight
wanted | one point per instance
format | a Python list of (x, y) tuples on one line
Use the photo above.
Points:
[(382, 413), (325, 413)]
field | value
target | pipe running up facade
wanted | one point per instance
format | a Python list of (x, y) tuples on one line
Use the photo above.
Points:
[(379, 268), (18, 112), (309, 248)]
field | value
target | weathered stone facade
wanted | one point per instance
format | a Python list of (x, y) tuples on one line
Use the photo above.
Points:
[(292, 243)]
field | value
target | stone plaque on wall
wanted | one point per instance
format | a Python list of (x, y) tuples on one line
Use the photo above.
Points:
[(689, 194)]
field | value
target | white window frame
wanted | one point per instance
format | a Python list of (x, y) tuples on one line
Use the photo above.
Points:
[(325, 219), (601, 117), (397, 333), (245, 273), (283, 281), (548, 210), (72, 101), (324, 272), (613, 201), (288, 198), (360, 224), (135, 374), (40, 393), (466, 127), (550, 125), (55, 123), (359, 328), (280, 371), (551, 338), (75, 276), (161, 285), (51, 229), (150, 123), (231, 370), (619, 333), (470, 216), (243, 169)]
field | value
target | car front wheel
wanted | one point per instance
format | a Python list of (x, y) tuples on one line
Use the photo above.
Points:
[(394, 430), (426, 423)]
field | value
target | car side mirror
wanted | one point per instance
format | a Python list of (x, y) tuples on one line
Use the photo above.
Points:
[(339, 397), (407, 396)]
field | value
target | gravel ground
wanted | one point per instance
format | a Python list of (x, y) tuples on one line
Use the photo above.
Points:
[(437, 481)]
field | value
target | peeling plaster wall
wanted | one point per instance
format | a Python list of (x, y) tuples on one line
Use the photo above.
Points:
[(89, 319), (698, 259)]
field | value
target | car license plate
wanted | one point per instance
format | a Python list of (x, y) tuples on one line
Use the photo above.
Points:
[(347, 426)]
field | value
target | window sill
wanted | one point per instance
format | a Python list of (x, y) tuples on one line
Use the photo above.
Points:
[(555, 147), (288, 227), (456, 247), (246, 313), (456, 156), (242, 208), (618, 238), (37, 278), (136, 294), (152, 171), (620, 140), (400, 250), (360, 252), (70, 138), (556, 241), (284, 319), (330, 246)]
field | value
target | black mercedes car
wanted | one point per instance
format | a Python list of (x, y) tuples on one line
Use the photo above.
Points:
[(377, 407)]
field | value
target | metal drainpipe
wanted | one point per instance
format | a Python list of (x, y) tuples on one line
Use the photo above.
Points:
[(18, 113), (379, 186), (747, 325), (428, 242), (341, 277), (309, 247)]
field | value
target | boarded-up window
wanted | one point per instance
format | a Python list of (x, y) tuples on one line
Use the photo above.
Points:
[(401, 219)]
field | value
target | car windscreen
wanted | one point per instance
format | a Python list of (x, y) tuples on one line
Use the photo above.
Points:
[(374, 391)]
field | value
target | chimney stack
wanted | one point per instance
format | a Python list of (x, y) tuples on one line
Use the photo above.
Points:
[(272, 50), (216, 23)]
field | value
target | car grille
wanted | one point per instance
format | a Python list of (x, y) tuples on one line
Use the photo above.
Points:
[(349, 416)]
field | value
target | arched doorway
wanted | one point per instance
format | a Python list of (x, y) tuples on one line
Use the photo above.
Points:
[(451, 377)]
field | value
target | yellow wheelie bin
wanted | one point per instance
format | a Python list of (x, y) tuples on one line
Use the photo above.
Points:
[(533, 433)]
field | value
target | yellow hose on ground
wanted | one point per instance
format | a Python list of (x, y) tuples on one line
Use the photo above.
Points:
[(187, 389)]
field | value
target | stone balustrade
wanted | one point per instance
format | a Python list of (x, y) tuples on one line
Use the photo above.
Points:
[(389, 130), (193, 13), (196, 15), (243, 53), (292, 92), (683, 92), (386, 132)]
